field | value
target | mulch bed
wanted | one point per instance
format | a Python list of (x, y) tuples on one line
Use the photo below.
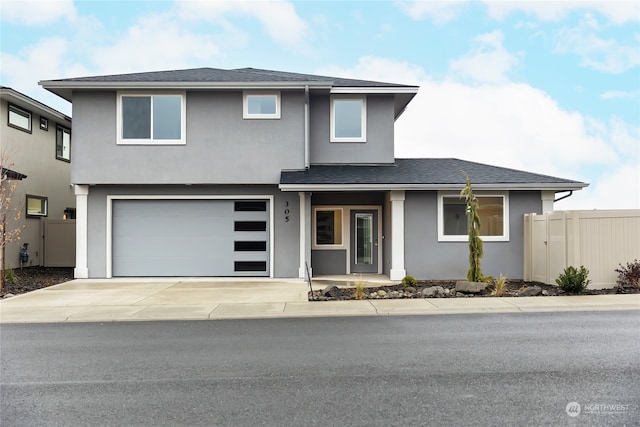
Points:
[(514, 288), (32, 278)]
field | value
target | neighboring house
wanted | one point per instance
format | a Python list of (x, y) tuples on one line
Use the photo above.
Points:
[(35, 141), (248, 172)]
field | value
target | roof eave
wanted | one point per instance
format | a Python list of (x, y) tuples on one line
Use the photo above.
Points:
[(441, 187), (32, 103), (370, 89), (64, 88)]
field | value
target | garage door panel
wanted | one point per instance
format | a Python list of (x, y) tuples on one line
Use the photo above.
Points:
[(189, 238)]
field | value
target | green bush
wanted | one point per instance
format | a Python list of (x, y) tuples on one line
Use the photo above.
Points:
[(629, 275), (573, 280), (10, 276), (409, 281)]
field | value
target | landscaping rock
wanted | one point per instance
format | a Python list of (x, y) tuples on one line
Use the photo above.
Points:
[(467, 287), (409, 289), (332, 291), (8, 296), (382, 293), (433, 291), (532, 291)]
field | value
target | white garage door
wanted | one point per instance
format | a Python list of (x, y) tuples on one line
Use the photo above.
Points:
[(190, 238)]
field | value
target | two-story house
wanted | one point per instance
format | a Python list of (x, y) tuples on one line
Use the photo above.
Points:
[(248, 172), (35, 142)]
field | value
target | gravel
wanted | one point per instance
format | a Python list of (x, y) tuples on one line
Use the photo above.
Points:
[(31, 278)]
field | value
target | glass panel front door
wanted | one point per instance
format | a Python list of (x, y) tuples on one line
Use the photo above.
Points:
[(364, 241), (364, 238)]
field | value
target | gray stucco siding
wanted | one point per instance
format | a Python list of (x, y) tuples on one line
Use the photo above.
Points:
[(285, 233), (427, 258), (221, 147), (378, 147)]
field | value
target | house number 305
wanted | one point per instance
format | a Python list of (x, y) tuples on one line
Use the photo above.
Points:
[(286, 211)]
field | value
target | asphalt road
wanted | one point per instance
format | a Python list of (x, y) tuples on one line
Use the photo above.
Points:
[(488, 369)]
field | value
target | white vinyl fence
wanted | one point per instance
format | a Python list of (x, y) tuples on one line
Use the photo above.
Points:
[(599, 240)]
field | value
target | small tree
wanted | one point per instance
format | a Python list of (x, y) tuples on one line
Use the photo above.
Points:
[(473, 227), (8, 232)]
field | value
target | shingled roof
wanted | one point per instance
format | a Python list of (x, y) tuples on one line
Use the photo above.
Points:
[(421, 173), (239, 75)]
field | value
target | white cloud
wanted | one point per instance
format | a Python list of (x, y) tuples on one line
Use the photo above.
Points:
[(36, 12), (617, 11), (278, 17), (511, 125), (606, 55), (488, 62), (620, 94), (155, 43), (41, 61), (439, 11), (379, 69), (618, 188)]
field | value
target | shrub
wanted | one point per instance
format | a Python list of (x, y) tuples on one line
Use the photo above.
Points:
[(500, 287), (360, 285), (10, 275), (409, 281), (573, 280), (629, 275)]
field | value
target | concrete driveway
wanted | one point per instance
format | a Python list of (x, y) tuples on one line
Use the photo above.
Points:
[(150, 299)]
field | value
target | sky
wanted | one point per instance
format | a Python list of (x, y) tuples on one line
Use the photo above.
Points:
[(551, 87)]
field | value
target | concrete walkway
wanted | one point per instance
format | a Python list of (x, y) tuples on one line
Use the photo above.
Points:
[(113, 300)]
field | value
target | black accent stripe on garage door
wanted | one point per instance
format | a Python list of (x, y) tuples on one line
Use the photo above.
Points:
[(159, 238)]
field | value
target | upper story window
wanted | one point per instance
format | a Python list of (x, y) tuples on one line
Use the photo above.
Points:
[(261, 105), (348, 119), (151, 119), (63, 143), (19, 118), (453, 223)]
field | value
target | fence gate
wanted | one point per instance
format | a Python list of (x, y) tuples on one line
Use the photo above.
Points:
[(59, 243)]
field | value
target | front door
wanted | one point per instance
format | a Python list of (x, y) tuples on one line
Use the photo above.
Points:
[(364, 241)]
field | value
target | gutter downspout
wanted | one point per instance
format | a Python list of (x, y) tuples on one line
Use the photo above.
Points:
[(564, 197), (306, 127)]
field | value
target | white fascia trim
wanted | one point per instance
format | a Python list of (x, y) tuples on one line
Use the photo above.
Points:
[(112, 197), (373, 90), (383, 187), (181, 85)]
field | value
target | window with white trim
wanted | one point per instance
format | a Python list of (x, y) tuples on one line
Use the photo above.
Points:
[(261, 105), (327, 226), (19, 118), (493, 212), (37, 206), (348, 118), (151, 118), (63, 143)]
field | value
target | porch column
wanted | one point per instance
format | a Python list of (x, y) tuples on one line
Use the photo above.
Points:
[(547, 201), (81, 271), (302, 269), (397, 235)]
